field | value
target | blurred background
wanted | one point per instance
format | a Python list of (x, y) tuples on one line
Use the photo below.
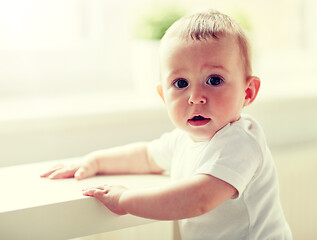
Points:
[(80, 75), (79, 47)]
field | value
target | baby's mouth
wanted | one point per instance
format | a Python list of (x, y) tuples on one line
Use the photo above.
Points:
[(198, 120)]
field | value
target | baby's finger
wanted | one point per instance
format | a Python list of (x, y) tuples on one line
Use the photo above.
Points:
[(88, 192), (46, 174), (51, 170), (92, 192), (104, 187), (96, 191), (63, 173), (83, 172)]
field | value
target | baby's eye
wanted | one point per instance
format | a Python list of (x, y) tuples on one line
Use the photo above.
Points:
[(214, 80), (180, 83)]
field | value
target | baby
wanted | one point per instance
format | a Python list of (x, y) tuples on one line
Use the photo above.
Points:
[(224, 183)]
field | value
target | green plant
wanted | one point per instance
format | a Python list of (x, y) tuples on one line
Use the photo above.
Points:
[(154, 23), (243, 19)]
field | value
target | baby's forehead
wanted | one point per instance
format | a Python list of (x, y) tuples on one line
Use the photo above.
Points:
[(168, 44), (187, 56)]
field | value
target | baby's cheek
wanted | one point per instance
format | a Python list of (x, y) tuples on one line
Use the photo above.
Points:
[(177, 116), (229, 111)]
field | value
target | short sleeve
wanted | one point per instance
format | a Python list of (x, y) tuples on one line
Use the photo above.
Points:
[(162, 149), (234, 158)]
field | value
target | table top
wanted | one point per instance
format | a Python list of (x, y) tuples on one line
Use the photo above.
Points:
[(32, 207)]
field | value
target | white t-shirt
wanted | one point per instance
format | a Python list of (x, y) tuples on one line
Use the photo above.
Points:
[(237, 154)]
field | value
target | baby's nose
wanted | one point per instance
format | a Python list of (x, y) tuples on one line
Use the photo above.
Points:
[(197, 99)]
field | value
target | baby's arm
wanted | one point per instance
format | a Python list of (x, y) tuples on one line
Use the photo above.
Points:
[(131, 158), (178, 200)]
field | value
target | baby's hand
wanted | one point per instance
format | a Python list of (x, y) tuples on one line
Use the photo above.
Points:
[(78, 171), (109, 196)]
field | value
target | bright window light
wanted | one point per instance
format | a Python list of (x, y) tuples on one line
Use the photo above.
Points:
[(57, 48)]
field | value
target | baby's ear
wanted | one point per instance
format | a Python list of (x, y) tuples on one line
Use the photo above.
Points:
[(252, 89), (159, 90)]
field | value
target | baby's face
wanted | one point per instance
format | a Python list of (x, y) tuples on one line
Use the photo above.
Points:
[(202, 84)]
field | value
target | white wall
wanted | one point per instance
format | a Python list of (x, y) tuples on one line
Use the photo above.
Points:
[(62, 137), (287, 122)]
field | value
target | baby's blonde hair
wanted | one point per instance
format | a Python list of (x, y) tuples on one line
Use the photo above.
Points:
[(212, 24)]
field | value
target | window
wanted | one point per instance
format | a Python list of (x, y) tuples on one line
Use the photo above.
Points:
[(77, 50), (63, 47)]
